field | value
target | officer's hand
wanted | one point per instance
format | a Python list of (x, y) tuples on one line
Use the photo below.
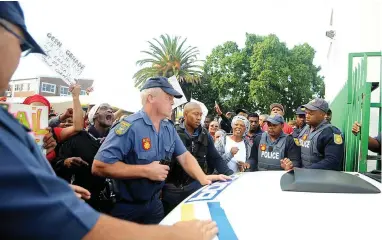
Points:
[(243, 166), (234, 150), (156, 171), (74, 162), (356, 128), (80, 192), (213, 178), (286, 164), (49, 141), (195, 230)]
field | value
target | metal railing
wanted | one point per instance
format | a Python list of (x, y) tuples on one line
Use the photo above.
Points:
[(353, 103)]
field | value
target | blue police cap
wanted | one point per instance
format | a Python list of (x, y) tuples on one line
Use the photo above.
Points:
[(12, 12), (163, 83), (300, 111), (275, 119), (317, 104)]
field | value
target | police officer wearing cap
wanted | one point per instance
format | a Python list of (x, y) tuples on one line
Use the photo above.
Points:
[(138, 151), (200, 144), (321, 143), (275, 150), (300, 121)]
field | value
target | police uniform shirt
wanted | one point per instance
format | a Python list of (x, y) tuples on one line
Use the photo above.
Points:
[(292, 151), (34, 202), (330, 145), (134, 140)]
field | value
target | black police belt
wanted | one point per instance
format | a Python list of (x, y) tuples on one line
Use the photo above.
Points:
[(139, 202)]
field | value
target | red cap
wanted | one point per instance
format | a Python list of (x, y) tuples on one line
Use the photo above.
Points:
[(37, 98)]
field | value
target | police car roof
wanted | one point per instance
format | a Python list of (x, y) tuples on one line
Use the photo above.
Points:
[(253, 206)]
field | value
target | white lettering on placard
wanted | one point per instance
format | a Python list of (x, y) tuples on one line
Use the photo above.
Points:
[(61, 60), (270, 155)]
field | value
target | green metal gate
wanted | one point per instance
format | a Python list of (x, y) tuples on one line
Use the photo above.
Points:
[(353, 103)]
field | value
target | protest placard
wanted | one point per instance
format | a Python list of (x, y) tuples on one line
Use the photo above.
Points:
[(175, 84), (61, 60), (32, 117)]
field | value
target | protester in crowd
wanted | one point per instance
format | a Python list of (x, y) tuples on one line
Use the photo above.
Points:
[(213, 128), (132, 153), (321, 143), (275, 150), (254, 127), (62, 118), (58, 133), (219, 134), (277, 108), (3, 99), (374, 143), (229, 115), (207, 120), (300, 121), (235, 149), (76, 155), (262, 119), (242, 112), (44, 206), (200, 144), (328, 116), (225, 122), (292, 123)]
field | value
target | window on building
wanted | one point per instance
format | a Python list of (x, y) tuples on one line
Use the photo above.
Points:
[(48, 87), (64, 91), (83, 92), (18, 87)]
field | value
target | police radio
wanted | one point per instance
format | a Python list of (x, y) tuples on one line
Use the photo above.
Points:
[(165, 161)]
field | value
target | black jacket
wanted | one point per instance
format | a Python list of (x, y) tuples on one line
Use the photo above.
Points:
[(85, 146)]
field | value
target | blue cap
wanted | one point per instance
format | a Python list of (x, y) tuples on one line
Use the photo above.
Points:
[(317, 104), (163, 83), (275, 119), (12, 12), (300, 111)]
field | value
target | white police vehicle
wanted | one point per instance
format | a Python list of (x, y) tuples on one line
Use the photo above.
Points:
[(302, 204)]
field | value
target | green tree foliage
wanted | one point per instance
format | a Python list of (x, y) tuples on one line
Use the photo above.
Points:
[(168, 57), (263, 72)]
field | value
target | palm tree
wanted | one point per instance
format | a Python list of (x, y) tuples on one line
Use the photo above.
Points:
[(167, 58)]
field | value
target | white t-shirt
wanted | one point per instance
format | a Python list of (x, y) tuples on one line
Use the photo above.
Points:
[(239, 156)]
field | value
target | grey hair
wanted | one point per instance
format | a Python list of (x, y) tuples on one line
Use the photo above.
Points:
[(265, 116), (149, 91), (243, 119)]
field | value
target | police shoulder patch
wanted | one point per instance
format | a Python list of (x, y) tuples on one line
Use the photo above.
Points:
[(122, 127), (297, 142), (338, 139)]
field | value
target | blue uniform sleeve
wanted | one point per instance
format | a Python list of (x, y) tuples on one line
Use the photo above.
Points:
[(215, 160), (179, 146), (378, 138), (116, 146), (332, 150), (36, 204)]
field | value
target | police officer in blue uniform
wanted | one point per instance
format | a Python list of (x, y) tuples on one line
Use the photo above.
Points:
[(300, 121), (200, 144), (321, 143), (275, 150), (133, 152), (34, 202)]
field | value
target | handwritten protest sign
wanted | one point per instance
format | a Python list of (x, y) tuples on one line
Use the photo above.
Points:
[(61, 60), (175, 84), (32, 117)]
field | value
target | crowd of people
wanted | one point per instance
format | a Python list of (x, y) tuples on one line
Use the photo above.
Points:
[(102, 166)]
